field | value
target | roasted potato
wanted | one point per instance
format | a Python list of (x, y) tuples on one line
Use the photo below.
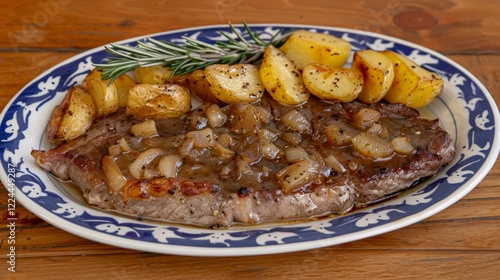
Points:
[(412, 85), (305, 47), (123, 84), (333, 84), (282, 79), (94, 74), (104, 94), (72, 117), (234, 83), (200, 88), (105, 97), (158, 74), (378, 74), (158, 101)]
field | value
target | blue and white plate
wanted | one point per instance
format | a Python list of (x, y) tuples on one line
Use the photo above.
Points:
[(465, 109)]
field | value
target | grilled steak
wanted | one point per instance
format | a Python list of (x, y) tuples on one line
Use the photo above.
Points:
[(252, 163)]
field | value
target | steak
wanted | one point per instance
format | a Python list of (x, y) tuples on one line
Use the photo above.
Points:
[(261, 162)]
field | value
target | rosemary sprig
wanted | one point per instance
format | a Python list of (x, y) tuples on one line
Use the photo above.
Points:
[(193, 55)]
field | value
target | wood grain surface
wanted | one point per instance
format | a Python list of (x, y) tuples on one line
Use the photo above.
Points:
[(461, 242)]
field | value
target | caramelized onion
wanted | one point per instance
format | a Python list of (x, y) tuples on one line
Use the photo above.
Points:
[(123, 145), (222, 152), (169, 166), (215, 116), (296, 121), (194, 171), (297, 175), (136, 168), (375, 128), (114, 150), (293, 138), (144, 129), (294, 154), (366, 117), (338, 137), (266, 135), (186, 147), (334, 163), (226, 140), (244, 119), (402, 145), (202, 138), (113, 174), (372, 146), (150, 172), (271, 151), (264, 114), (198, 122)]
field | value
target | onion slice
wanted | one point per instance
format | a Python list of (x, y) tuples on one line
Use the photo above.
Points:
[(144, 129), (402, 145), (137, 167), (296, 121), (202, 138), (169, 166), (215, 116), (113, 174), (298, 174), (335, 164), (372, 146), (296, 153)]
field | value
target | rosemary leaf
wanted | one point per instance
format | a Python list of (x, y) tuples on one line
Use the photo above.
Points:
[(192, 55)]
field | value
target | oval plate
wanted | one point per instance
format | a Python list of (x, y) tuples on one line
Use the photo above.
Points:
[(465, 109)]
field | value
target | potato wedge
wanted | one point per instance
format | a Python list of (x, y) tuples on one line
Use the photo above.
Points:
[(234, 83), (333, 84), (104, 94), (378, 74), (158, 101), (158, 75), (413, 85), (282, 79), (72, 117), (94, 74), (200, 88), (123, 84), (305, 47), (372, 146)]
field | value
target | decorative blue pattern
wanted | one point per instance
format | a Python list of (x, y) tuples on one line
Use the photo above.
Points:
[(465, 109)]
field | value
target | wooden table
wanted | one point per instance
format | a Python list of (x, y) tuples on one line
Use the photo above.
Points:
[(461, 242)]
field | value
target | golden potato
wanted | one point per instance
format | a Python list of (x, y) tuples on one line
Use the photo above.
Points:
[(104, 94), (282, 79), (378, 74), (158, 101), (123, 84), (333, 84), (234, 83), (200, 88), (412, 85), (158, 74), (72, 117), (305, 47)]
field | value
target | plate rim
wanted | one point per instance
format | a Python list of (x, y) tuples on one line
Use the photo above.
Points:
[(267, 249)]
